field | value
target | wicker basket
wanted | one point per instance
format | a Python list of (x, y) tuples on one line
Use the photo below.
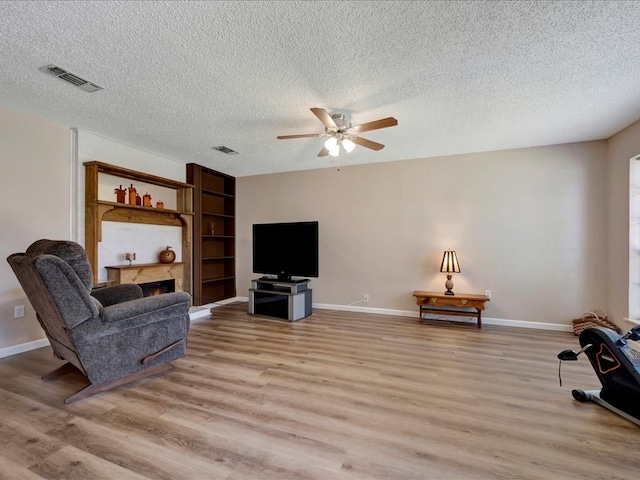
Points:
[(592, 319)]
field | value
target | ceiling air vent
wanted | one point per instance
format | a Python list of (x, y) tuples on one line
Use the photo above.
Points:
[(69, 77), (226, 150)]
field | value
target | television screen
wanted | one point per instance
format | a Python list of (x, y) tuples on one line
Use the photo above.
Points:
[(286, 249)]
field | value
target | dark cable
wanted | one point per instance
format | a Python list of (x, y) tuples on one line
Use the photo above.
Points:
[(559, 376)]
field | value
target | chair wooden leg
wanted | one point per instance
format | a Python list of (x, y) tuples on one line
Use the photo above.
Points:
[(65, 369), (103, 387), (150, 358)]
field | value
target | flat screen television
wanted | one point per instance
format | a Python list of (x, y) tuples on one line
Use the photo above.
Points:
[(286, 249)]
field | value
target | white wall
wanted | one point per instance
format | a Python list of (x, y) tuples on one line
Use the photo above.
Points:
[(527, 224), (34, 204)]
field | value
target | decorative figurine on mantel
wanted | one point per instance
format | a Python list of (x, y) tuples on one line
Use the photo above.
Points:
[(132, 195), (121, 194), (146, 200), (167, 256), (160, 205), (130, 256)]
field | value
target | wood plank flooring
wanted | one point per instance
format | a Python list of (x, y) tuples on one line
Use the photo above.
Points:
[(335, 396)]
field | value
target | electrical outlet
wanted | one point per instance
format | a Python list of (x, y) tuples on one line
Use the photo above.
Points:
[(365, 297), (18, 312), (487, 293)]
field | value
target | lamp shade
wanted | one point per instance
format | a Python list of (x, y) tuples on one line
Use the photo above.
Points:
[(331, 143), (450, 262), (348, 145)]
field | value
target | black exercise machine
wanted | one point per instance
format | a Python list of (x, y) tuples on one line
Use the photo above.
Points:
[(617, 366)]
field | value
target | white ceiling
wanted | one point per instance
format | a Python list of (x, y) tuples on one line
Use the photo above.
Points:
[(180, 77)]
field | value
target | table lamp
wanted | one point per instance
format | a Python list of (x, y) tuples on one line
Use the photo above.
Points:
[(449, 265)]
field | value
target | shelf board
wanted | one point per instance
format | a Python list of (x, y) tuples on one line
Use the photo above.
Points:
[(206, 301), (277, 291), (141, 208), (221, 237), (138, 176), (135, 266), (226, 257), (217, 279), (212, 214), (216, 193)]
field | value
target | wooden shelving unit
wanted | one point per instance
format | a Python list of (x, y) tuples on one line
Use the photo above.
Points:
[(98, 211), (214, 250)]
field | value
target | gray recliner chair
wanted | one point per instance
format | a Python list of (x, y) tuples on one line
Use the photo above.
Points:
[(113, 335)]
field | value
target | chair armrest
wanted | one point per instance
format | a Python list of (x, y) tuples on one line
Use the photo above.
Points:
[(135, 315), (143, 306), (114, 294)]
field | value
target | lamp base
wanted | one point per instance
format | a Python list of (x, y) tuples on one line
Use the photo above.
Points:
[(449, 285)]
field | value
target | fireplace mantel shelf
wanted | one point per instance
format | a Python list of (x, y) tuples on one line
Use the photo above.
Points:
[(146, 272), (143, 265)]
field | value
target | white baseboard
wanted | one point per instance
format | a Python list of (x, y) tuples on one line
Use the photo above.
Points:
[(24, 347), (414, 313), (557, 327), (376, 311), (504, 322), (199, 312), (205, 310)]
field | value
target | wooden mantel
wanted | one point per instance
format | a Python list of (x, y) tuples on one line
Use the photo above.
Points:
[(98, 211), (146, 272)]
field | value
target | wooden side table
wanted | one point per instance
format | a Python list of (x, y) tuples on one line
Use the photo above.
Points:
[(433, 302)]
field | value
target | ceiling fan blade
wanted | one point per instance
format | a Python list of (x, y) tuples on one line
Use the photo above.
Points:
[(376, 124), (363, 142), (302, 135), (324, 152), (324, 117)]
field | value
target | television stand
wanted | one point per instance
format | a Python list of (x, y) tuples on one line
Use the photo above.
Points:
[(271, 297), (283, 280)]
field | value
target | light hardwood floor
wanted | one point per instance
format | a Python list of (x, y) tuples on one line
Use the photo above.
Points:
[(335, 396)]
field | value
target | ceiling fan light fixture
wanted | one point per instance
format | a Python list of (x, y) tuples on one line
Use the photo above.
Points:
[(331, 143), (341, 132), (348, 145)]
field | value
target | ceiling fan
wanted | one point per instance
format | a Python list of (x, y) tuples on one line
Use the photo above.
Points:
[(341, 132)]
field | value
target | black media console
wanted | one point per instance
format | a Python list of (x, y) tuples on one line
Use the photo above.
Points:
[(276, 298)]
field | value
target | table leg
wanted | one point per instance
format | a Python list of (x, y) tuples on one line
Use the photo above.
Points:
[(479, 318)]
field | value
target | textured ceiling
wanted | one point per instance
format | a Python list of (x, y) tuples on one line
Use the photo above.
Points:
[(181, 77)]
